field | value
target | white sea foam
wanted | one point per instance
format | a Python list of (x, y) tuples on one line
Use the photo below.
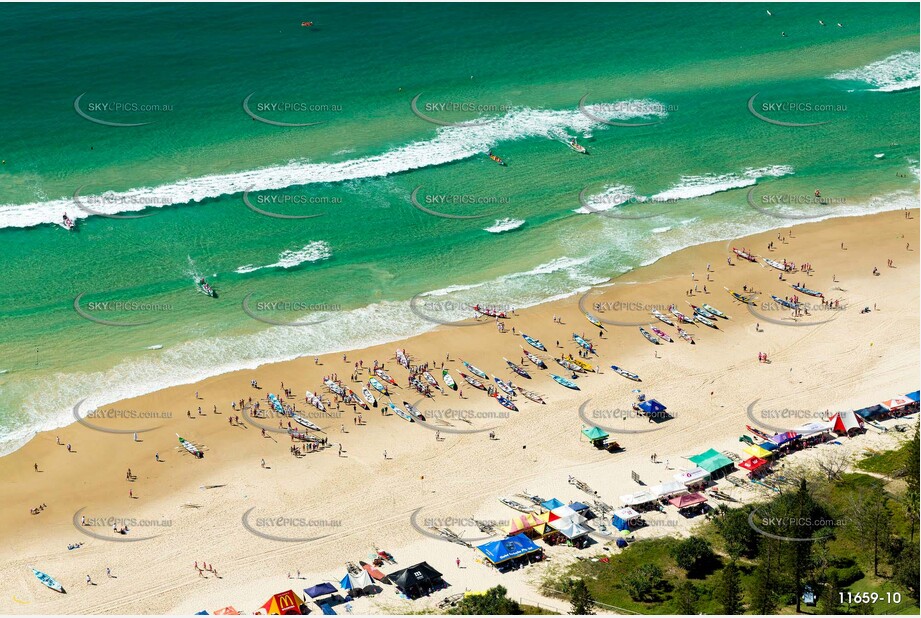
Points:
[(690, 187), (505, 225), (448, 145), (314, 251), (897, 72)]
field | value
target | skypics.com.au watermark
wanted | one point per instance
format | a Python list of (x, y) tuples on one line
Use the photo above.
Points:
[(95, 415), (288, 528), (431, 204), (288, 312), (118, 307), (288, 112), (445, 113), (614, 420), (115, 112), (790, 113)]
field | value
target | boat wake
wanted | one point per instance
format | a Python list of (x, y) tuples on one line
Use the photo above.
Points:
[(449, 144), (314, 251), (505, 225)]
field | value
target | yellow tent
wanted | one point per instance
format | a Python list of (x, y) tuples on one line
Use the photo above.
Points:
[(756, 451), (520, 523)]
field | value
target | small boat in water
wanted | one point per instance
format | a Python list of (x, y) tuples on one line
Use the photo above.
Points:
[(534, 342), (496, 158), (204, 288), (493, 313), (531, 395), (576, 146), (649, 337), (67, 223), (478, 372), (517, 369), (627, 374), (48, 580), (565, 382)]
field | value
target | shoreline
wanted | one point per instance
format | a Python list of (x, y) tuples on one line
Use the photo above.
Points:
[(535, 449), (142, 389)]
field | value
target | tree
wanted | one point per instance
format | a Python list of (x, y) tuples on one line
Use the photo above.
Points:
[(643, 581), (686, 596), (907, 573), (870, 522), (692, 553), (764, 590), (733, 526), (729, 590), (912, 474), (581, 599), (493, 602), (830, 599)]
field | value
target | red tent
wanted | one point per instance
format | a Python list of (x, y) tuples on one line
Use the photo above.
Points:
[(687, 500), (753, 463), (283, 604), (844, 422)]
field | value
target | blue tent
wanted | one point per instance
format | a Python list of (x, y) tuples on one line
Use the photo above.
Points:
[(551, 504), (203, 612), (508, 548), (578, 507), (871, 411), (913, 396), (327, 609), (652, 407), (768, 446), (320, 590)]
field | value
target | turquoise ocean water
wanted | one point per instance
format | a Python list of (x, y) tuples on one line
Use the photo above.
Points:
[(518, 72)]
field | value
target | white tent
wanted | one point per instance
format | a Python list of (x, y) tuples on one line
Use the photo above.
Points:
[(640, 497), (564, 512), (813, 429), (693, 475), (356, 580), (568, 528), (670, 488)]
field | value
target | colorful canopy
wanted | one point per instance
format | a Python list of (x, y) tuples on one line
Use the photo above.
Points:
[(897, 403), (546, 517), (551, 504), (712, 461), (320, 590), (594, 434), (782, 438), (692, 476), (509, 548), (230, 610), (753, 463), (353, 581), (563, 511), (652, 407), (913, 396), (520, 523), (578, 507), (756, 451), (768, 445), (687, 501), (283, 604), (871, 411), (843, 422), (621, 518)]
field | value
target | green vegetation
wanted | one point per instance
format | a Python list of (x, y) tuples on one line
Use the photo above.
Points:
[(493, 602), (857, 535)]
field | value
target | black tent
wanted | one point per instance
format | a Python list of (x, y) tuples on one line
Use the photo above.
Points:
[(421, 575)]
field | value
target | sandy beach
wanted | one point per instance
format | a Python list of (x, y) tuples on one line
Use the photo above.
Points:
[(336, 505)]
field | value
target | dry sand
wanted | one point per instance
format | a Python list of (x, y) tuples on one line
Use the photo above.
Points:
[(353, 502)]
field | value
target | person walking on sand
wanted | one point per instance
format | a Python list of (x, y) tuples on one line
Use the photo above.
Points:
[(157, 456), (385, 454), (458, 562), (130, 493), (263, 463)]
